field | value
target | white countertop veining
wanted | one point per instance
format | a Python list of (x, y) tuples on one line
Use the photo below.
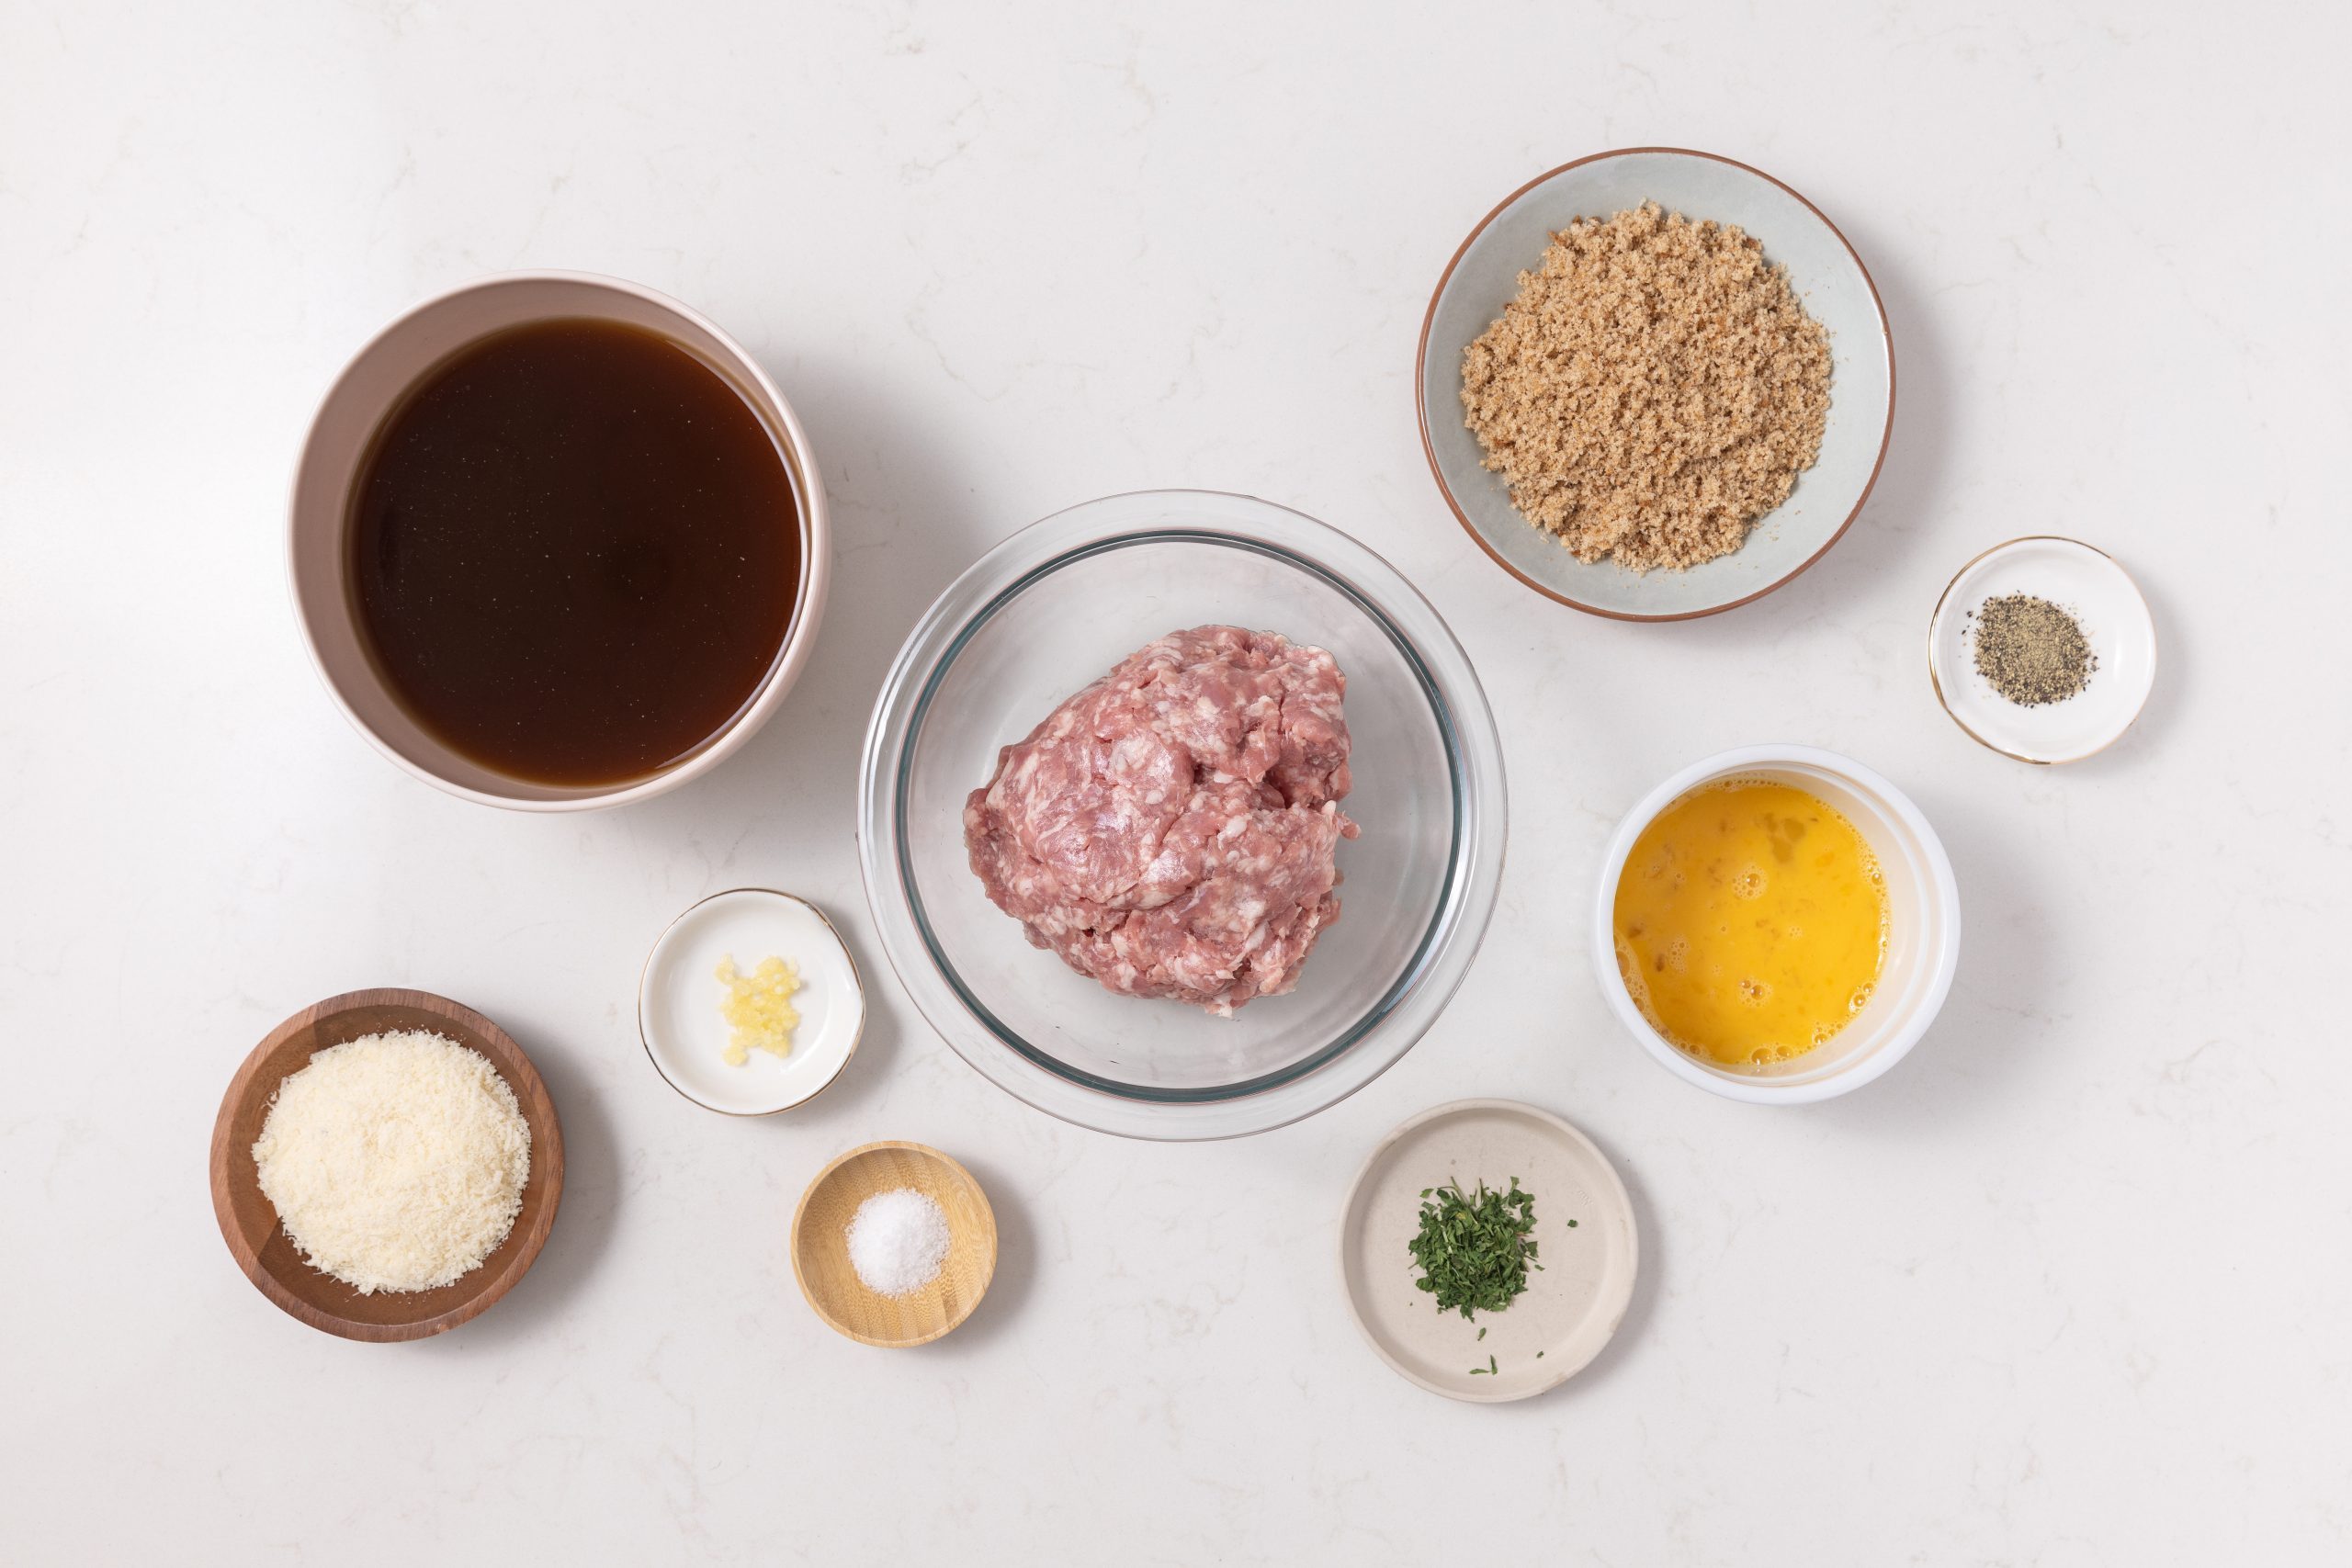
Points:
[(2071, 1286)]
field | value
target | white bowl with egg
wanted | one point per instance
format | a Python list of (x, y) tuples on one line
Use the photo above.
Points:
[(679, 997), (1922, 939)]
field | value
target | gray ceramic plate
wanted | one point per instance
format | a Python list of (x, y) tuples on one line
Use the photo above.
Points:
[(1826, 275), (1571, 1306)]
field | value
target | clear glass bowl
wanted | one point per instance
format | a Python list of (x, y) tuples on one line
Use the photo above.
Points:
[(1057, 605)]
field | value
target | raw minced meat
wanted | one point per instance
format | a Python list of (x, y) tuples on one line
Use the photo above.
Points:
[(1171, 830)]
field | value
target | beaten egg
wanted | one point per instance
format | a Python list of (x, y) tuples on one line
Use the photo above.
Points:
[(1750, 923)]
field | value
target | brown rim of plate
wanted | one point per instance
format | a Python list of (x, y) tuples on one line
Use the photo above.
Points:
[(1420, 377), (856, 979), (1937, 681), (522, 1076)]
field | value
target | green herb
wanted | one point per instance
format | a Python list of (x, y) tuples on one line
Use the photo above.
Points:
[(1474, 1251), (1482, 1334), (1489, 1369), (1539, 1355)]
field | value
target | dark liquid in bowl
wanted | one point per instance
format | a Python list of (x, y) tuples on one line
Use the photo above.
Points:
[(575, 551)]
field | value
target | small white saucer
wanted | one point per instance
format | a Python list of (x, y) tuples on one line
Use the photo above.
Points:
[(2087, 584), (679, 994), (1571, 1306)]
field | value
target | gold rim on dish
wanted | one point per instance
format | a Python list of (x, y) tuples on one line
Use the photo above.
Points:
[(857, 981), (1937, 680)]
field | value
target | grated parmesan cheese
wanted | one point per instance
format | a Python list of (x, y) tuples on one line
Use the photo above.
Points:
[(396, 1162)]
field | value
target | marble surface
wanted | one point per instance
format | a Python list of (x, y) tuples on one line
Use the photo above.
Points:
[(2069, 1287)]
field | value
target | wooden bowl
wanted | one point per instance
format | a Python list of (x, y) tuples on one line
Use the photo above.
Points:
[(250, 1224), (820, 1245)]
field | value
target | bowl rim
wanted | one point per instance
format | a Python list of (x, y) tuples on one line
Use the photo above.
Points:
[(512, 1063), (801, 634), (1428, 447), (959, 1174), (1936, 872), (857, 980), (1465, 903), (1935, 664)]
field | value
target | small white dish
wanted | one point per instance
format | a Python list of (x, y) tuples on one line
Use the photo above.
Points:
[(2087, 583), (679, 994), (1828, 278), (1571, 1306), (1922, 942)]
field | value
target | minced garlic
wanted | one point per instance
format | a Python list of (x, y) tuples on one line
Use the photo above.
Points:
[(759, 1007)]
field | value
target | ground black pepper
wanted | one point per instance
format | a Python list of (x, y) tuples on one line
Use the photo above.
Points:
[(2032, 651)]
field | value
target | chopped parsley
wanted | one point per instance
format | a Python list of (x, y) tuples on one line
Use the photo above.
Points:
[(1474, 1249)]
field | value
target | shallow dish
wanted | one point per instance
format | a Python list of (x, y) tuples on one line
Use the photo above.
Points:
[(1569, 1310), (249, 1222), (678, 995), (2088, 584), (820, 1245), (1923, 934), (373, 384), (1055, 606), (1827, 276)]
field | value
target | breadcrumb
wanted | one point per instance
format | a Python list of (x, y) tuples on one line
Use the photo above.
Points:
[(1653, 390)]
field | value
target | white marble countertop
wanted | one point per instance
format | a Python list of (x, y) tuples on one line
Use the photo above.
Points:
[(2070, 1287)]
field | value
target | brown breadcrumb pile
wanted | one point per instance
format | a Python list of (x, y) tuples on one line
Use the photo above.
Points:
[(1654, 389)]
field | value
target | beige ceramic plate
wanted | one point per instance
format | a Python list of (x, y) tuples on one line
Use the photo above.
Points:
[(1570, 1308), (820, 1245)]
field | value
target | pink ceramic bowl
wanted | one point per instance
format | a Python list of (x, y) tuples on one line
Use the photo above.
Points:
[(374, 382)]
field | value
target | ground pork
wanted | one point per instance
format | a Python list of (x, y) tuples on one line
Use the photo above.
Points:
[(1171, 830)]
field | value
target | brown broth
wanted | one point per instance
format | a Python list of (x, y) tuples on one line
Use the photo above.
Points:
[(575, 550)]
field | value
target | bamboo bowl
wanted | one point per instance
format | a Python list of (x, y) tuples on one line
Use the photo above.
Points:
[(250, 1224), (820, 1245)]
